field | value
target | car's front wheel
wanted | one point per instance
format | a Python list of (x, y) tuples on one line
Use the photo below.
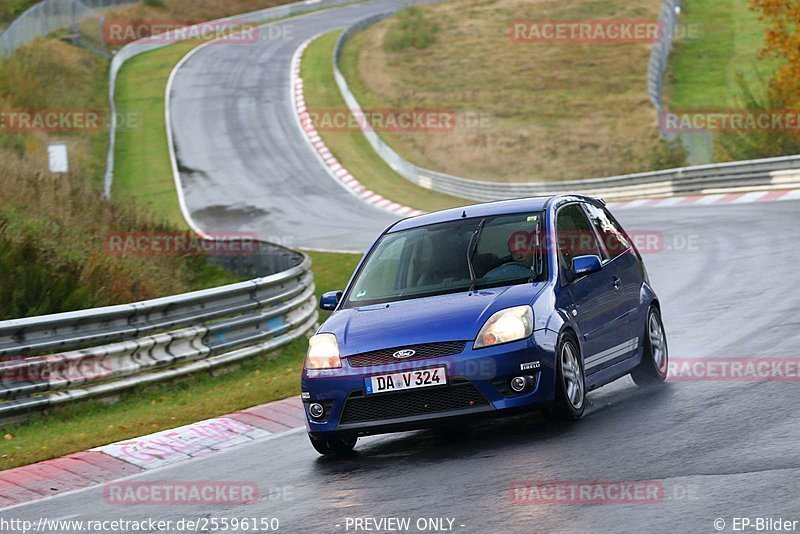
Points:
[(333, 447), (653, 367), (570, 400)]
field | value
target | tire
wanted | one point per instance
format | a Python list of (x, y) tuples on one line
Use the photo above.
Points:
[(570, 401), (652, 370), (333, 447)]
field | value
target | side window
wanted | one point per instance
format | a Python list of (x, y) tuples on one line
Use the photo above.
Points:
[(575, 235), (612, 235)]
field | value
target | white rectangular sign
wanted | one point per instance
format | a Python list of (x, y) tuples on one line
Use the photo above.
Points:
[(57, 158)]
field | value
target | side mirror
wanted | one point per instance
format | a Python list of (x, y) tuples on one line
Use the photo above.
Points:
[(330, 300), (583, 265)]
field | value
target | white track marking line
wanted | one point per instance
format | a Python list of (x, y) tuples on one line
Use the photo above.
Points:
[(158, 469), (202, 438)]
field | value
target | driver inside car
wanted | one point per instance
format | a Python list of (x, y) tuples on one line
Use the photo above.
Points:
[(521, 248)]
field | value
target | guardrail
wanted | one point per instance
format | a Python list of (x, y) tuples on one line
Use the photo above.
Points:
[(59, 358), (49, 16), (753, 175), (155, 42)]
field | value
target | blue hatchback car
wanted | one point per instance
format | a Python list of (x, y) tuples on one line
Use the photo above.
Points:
[(482, 310)]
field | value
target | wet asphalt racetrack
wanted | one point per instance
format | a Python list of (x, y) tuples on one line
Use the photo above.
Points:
[(245, 165), (727, 277)]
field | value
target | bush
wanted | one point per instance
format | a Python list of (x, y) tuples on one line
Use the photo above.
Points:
[(668, 154), (52, 74), (410, 28), (11, 9), (53, 255), (733, 145), (37, 280)]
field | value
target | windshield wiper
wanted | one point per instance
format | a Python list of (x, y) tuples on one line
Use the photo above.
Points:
[(538, 256), (473, 246)]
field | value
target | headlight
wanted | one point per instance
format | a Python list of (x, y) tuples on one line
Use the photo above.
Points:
[(507, 325), (323, 352)]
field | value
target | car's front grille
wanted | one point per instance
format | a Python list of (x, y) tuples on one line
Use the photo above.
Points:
[(421, 352), (456, 396)]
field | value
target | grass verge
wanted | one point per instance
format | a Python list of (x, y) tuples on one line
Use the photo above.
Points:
[(526, 110), (351, 148), (142, 169), (721, 43)]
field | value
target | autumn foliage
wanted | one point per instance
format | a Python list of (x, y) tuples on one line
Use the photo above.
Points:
[(782, 40), (782, 95)]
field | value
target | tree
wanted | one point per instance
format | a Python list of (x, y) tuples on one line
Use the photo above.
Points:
[(782, 40)]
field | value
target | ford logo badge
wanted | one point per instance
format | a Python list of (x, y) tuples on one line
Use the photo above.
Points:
[(403, 354)]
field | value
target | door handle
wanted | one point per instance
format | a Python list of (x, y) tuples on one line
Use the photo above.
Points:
[(616, 282)]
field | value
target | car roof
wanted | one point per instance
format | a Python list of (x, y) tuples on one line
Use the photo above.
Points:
[(488, 209)]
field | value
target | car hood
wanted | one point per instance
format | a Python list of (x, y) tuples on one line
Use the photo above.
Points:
[(453, 317)]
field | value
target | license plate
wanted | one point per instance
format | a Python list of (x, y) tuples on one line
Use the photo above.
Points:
[(422, 378)]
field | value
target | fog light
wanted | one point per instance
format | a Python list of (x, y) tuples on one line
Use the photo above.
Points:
[(316, 410), (518, 384)]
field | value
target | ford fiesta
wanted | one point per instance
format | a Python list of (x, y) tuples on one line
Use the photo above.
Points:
[(483, 310)]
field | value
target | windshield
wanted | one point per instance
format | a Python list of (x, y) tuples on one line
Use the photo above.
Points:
[(435, 259)]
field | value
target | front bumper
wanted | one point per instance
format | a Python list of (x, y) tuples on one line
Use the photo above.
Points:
[(477, 387)]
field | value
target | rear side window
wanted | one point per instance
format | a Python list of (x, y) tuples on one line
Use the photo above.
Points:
[(610, 233), (575, 235)]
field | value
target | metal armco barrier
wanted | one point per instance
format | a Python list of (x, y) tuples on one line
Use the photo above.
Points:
[(69, 356), (754, 175)]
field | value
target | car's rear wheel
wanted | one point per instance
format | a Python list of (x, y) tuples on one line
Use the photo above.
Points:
[(334, 447), (570, 400), (653, 367)]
